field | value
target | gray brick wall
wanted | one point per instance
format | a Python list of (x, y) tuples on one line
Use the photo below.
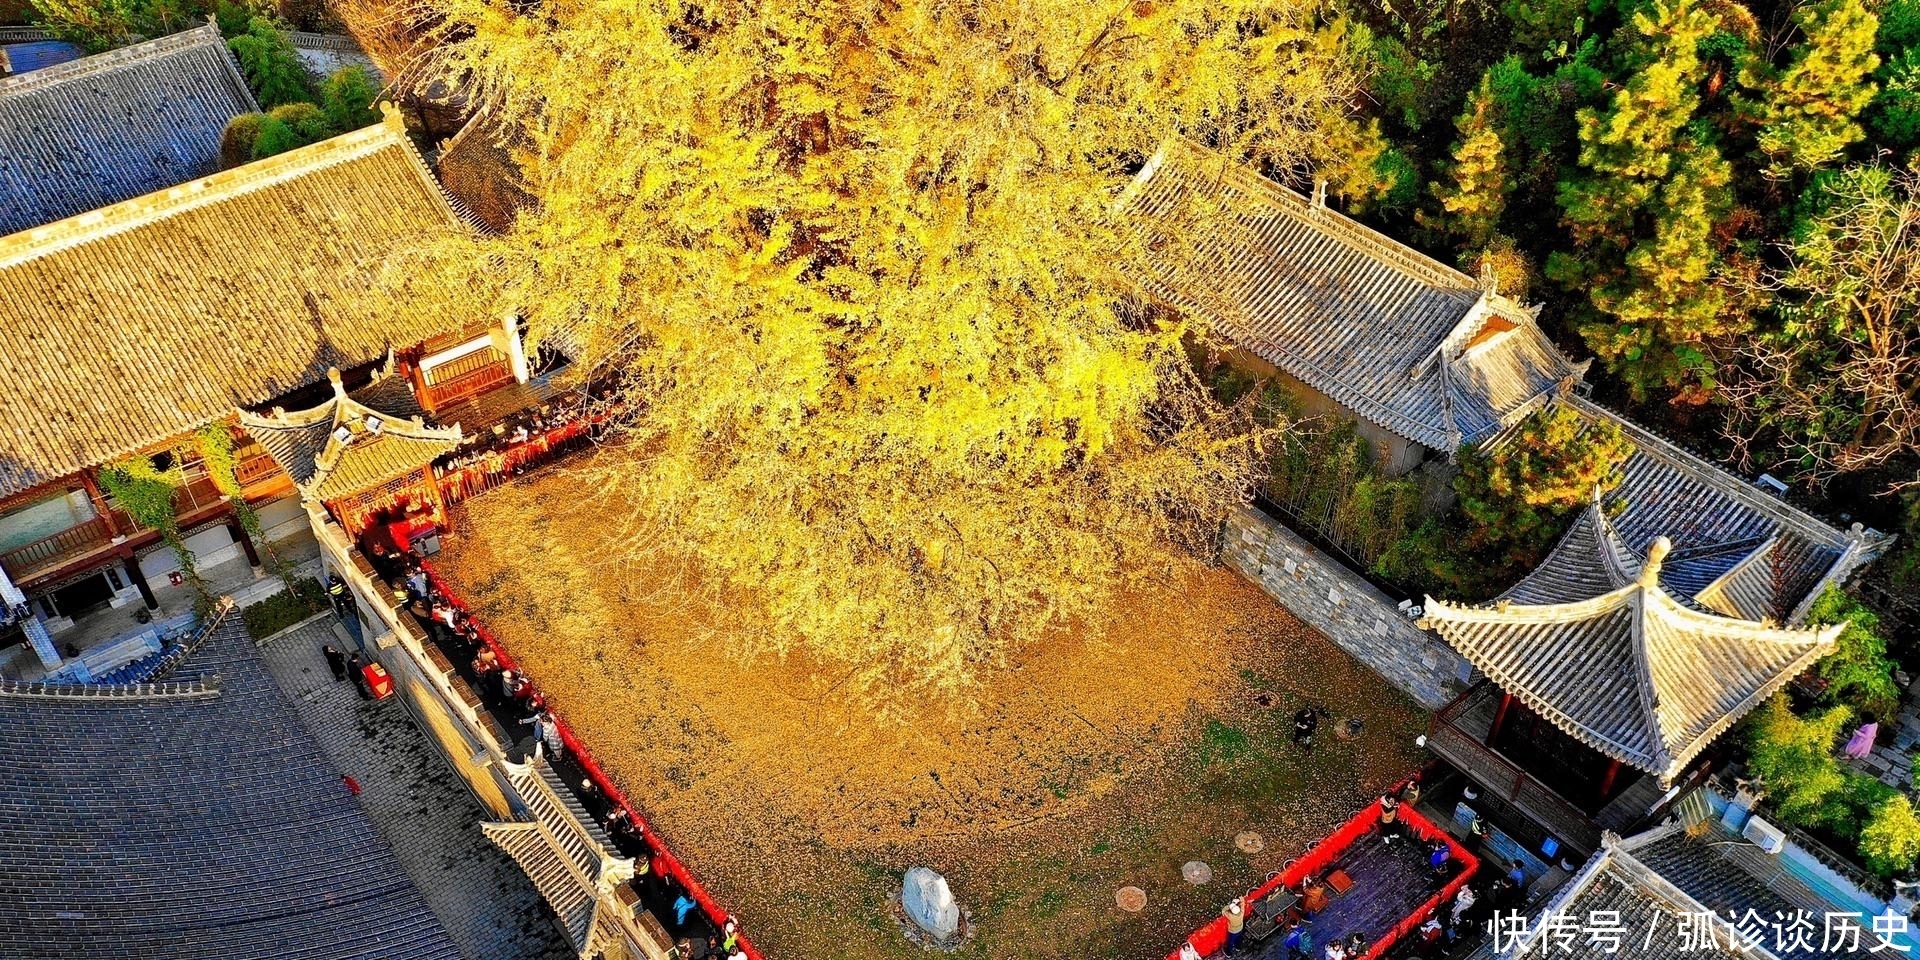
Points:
[(1344, 606)]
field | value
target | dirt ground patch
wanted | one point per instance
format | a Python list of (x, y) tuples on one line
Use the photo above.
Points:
[(1090, 763)]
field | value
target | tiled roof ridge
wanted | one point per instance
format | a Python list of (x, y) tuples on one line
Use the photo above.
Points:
[(1616, 856), (1729, 484), (204, 35), (215, 188), (172, 659), (193, 689), (24, 35), (1329, 221)]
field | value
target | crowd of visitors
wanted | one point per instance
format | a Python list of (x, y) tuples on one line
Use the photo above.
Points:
[(1452, 922), (518, 704)]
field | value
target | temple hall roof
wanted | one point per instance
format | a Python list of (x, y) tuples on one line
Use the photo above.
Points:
[(346, 445), (127, 326), (27, 49), (567, 856), (1662, 883), (1414, 346), (82, 135), (1595, 642), (1737, 550), (187, 818)]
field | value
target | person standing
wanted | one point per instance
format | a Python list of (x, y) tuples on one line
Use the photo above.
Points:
[(1236, 914), (336, 662), (337, 594), (1389, 818), (1299, 943), (357, 673), (1477, 831), (1305, 722)]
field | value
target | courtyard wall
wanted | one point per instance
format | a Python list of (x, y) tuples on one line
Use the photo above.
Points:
[(1343, 605)]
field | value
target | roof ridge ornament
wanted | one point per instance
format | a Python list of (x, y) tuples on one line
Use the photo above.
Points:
[(1319, 194), (1656, 555)]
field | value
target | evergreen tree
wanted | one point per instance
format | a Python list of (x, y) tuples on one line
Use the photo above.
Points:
[(1472, 203), (1807, 111), (1642, 250), (1627, 147), (347, 97), (1890, 842), (1665, 300)]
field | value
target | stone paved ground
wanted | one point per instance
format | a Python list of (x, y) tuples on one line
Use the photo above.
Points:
[(422, 808)]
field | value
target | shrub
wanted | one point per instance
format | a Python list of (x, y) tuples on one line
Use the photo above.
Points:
[(1793, 757), (237, 140), (271, 66), (1858, 672), (307, 121), (284, 609), (347, 97), (1890, 842)]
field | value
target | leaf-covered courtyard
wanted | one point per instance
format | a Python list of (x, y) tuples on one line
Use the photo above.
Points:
[(1086, 764)]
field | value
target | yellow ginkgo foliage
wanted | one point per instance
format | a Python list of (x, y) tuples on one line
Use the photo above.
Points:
[(854, 265)]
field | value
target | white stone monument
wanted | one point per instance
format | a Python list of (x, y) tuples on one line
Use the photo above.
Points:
[(929, 904)]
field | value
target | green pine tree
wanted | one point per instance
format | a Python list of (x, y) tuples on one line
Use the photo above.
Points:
[(1471, 204), (1665, 300), (1639, 224), (1807, 111)]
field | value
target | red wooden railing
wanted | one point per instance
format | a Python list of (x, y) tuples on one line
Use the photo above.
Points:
[(468, 376), (1212, 938), (662, 855)]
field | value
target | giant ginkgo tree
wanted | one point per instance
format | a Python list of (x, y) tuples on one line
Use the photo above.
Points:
[(854, 265)]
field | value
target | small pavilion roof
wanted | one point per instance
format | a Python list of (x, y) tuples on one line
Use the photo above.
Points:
[(1595, 642), (344, 446), (124, 327), (1404, 341), (92, 132), (566, 855)]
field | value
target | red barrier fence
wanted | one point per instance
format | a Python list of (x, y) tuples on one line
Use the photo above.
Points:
[(1212, 938), (662, 857)]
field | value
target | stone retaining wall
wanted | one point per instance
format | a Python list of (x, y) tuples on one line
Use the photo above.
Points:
[(1339, 603)]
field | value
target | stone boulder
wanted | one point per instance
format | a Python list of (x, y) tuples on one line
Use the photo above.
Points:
[(929, 904)]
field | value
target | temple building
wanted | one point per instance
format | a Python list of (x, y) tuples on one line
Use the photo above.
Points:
[(184, 813), (1603, 665), (1423, 357), (130, 327), (1598, 683), (1691, 887), (81, 135)]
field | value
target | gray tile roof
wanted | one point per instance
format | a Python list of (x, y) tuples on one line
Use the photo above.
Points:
[(26, 56), (1594, 641), (1393, 335), (1736, 549), (1660, 883), (1731, 877), (190, 819), (83, 135)]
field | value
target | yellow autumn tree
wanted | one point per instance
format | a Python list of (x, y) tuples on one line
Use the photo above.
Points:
[(854, 266)]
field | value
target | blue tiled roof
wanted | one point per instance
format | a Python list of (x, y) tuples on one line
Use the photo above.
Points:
[(193, 818), (110, 127)]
